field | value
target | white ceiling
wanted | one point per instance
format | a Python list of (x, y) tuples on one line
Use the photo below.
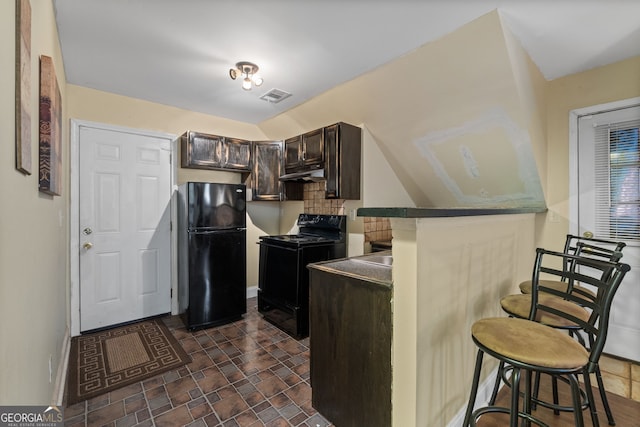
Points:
[(178, 52)]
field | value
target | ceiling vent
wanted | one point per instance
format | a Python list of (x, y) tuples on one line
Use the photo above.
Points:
[(275, 95)]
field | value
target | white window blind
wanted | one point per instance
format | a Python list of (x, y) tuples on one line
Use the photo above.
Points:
[(617, 180)]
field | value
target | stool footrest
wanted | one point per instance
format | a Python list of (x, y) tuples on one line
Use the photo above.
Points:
[(499, 409)]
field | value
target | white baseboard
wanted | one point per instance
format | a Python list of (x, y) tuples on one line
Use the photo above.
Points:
[(252, 292), (63, 366), (482, 398)]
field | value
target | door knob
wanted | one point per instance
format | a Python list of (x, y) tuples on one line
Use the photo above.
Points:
[(588, 235), (87, 246)]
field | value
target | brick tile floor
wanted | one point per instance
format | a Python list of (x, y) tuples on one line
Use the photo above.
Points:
[(247, 373)]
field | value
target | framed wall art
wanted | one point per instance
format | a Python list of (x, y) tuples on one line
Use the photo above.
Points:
[(50, 148), (23, 86)]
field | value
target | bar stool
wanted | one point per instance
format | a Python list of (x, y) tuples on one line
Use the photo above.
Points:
[(531, 347), (557, 298), (591, 247)]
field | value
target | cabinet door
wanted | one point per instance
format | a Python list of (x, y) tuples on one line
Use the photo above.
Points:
[(342, 165), (201, 150), (292, 153), (313, 148), (331, 168), (267, 167), (237, 154)]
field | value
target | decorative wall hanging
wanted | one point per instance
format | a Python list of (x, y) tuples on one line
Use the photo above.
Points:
[(23, 86), (50, 180)]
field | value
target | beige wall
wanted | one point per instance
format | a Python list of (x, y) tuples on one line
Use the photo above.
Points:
[(610, 83), (467, 265), (448, 273), (33, 231)]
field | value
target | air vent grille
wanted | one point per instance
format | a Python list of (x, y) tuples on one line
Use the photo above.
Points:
[(275, 95)]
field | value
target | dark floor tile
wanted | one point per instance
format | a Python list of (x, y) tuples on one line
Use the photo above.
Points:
[(268, 414), (280, 400), (127, 421), (156, 392), (200, 360), (277, 422), (298, 419), (171, 376), (212, 420), (106, 415), (199, 410), (124, 392), (271, 386), (161, 410), (247, 419), (245, 374), (213, 380), (153, 382), (319, 421), (143, 415), (176, 417), (198, 423), (253, 398), (98, 402), (230, 406), (290, 411), (75, 409), (180, 386), (134, 403), (77, 421)]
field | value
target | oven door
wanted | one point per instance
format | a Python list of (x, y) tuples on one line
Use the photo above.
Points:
[(279, 273)]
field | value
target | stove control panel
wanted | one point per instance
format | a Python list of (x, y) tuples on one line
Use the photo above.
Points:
[(321, 221)]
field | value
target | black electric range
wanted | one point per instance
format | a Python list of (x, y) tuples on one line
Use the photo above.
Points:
[(283, 278)]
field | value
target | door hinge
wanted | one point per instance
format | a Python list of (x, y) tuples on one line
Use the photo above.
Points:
[(171, 293)]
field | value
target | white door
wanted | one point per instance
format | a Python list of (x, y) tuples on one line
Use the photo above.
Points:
[(609, 207), (125, 219)]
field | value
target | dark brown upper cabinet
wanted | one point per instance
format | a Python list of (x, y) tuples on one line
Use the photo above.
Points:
[(265, 176), (267, 168), (304, 152), (204, 151), (238, 154), (343, 146)]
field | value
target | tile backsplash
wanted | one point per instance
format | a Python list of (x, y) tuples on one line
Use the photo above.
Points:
[(315, 203), (376, 229)]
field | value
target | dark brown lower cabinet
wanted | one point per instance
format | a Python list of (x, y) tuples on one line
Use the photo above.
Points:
[(350, 349)]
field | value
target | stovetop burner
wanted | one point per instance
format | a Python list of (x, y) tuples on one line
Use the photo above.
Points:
[(314, 230), (297, 239)]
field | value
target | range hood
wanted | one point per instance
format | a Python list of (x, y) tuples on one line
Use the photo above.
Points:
[(307, 176)]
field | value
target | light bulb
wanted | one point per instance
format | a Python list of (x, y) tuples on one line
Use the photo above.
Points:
[(246, 83), (257, 80)]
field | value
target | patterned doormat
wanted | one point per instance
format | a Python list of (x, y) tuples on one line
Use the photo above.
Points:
[(107, 360)]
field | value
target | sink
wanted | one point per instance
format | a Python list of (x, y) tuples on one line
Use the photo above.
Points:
[(381, 260)]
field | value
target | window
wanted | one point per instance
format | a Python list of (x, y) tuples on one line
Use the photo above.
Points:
[(617, 175)]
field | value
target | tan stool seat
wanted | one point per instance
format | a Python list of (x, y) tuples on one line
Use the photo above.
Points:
[(530, 342), (519, 305), (525, 287)]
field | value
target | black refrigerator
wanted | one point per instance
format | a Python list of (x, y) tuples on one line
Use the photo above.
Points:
[(212, 281)]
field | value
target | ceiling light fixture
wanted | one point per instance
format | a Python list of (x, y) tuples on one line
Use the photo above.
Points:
[(249, 70)]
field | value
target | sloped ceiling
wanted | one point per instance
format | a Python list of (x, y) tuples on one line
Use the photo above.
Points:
[(178, 52), (459, 119)]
